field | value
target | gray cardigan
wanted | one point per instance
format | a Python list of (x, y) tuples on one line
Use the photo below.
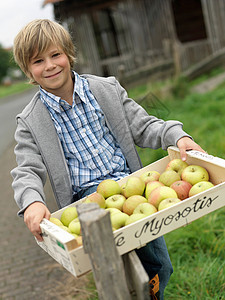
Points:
[(38, 150)]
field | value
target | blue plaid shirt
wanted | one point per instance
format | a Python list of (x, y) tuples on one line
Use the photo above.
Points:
[(91, 151)]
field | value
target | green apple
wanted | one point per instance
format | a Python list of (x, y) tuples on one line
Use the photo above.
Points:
[(177, 165), (134, 218), (200, 187), (145, 208), (151, 186), (108, 187), (194, 174), (118, 220), (68, 215), (134, 186), (65, 228), (168, 177), (132, 202), (115, 201), (74, 226), (150, 176), (161, 193), (113, 210), (168, 203), (56, 221), (96, 198)]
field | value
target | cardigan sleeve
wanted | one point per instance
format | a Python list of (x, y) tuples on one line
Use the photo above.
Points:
[(30, 174)]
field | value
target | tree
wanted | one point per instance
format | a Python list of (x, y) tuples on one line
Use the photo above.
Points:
[(4, 62)]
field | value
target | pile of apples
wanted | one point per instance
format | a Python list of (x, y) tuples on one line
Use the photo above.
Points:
[(140, 196)]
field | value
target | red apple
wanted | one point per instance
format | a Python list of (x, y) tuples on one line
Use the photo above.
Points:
[(182, 188), (151, 186), (161, 193)]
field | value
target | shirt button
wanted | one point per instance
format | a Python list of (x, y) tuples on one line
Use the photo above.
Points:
[(83, 130)]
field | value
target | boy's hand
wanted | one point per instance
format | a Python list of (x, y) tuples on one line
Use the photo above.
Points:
[(33, 216), (186, 143)]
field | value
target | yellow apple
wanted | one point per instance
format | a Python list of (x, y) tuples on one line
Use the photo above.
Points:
[(56, 221), (200, 187), (134, 186), (132, 202), (145, 208), (108, 187), (96, 198), (151, 186), (134, 218), (118, 220), (68, 215), (74, 226), (115, 201), (177, 165), (161, 193), (168, 203), (149, 176), (194, 174), (168, 177)]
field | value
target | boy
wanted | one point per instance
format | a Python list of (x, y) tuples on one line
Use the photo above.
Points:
[(80, 130)]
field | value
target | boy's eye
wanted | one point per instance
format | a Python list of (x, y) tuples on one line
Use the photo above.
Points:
[(56, 54), (38, 61)]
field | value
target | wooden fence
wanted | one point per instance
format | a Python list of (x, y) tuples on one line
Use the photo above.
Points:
[(116, 277)]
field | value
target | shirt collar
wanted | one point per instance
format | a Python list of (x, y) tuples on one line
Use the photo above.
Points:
[(55, 102), (79, 87)]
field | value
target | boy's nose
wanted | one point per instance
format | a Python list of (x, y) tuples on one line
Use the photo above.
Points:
[(49, 64)]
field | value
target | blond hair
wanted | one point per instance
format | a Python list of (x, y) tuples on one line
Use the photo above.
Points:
[(36, 37)]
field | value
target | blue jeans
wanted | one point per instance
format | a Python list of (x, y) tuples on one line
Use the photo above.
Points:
[(154, 256)]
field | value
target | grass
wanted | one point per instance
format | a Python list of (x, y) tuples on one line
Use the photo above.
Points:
[(13, 89)]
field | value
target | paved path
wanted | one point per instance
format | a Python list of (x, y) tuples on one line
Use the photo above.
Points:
[(26, 271)]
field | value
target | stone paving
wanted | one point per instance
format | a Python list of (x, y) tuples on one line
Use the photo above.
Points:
[(26, 271)]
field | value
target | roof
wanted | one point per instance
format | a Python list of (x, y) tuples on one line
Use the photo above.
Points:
[(51, 1)]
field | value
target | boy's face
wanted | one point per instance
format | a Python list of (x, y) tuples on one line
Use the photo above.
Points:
[(51, 70)]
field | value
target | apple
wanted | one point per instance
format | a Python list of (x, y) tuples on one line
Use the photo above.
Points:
[(132, 202), (168, 177), (134, 218), (96, 198), (151, 186), (113, 210), (200, 187), (134, 186), (68, 215), (182, 188), (168, 203), (150, 176), (65, 228), (194, 174), (161, 193), (74, 226), (56, 221), (145, 208), (177, 165), (122, 192), (115, 201), (118, 220), (108, 187)]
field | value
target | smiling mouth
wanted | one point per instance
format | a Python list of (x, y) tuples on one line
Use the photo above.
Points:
[(53, 75)]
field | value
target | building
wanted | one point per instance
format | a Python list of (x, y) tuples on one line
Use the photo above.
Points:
[(138, 38)]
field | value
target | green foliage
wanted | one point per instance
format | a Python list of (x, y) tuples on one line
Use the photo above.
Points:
[(14, 89), (4, 62)]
